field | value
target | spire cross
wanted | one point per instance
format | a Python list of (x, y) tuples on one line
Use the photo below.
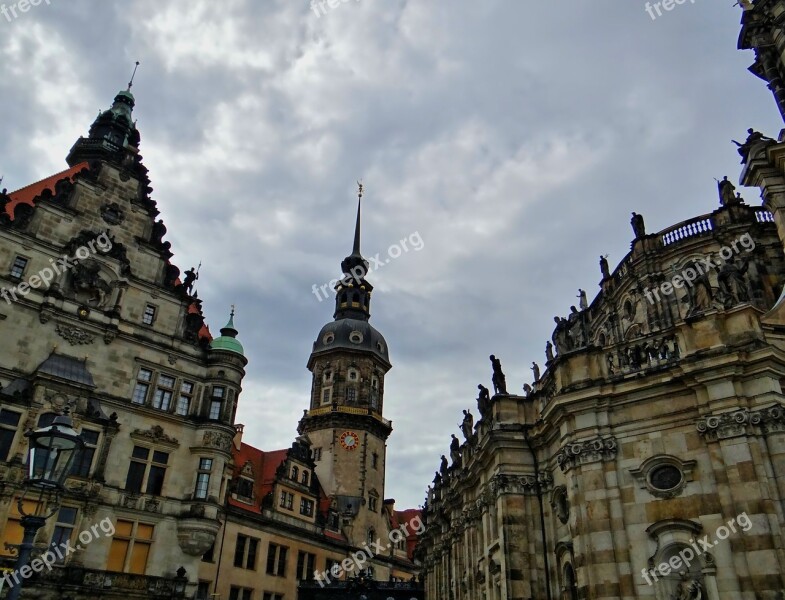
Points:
[(360, 189), (130, 83), (232, 313)]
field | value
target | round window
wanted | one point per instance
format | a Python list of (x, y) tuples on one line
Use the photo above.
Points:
[(665, 477), (355, 337), (328, 338)]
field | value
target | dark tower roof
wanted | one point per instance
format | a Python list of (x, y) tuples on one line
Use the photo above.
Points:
[(112, 135)]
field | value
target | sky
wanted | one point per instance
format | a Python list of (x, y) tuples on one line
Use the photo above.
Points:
[(507, 141)]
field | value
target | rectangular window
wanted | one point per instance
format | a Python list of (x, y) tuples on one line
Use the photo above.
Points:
[(375, 460), (64, 529), (149, 315), (203, 478), (217, 402), (162, 399), (351, 395), (327, 395), (317, 454), (143, 380), (84, 460), (9, 421), (143, 467), (245, 551), (18, 267), (184, 400), (130, 547), (276, 560), (306, 507), (238, 593), (271, 596), (245, 488), (287, 500), (306, 563)]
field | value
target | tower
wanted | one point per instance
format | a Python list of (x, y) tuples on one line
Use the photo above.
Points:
[(345, 421)]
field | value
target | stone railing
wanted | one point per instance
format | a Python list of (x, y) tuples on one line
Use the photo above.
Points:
[(105, 582), (687, 229), (642, 354)]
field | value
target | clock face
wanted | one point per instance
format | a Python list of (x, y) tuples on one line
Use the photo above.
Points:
[(349, 440)]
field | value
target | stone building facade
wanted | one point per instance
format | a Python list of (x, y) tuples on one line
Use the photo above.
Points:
[(646, 460), (96, 320)]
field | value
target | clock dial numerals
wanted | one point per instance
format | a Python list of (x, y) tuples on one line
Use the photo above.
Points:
[(349, 440)]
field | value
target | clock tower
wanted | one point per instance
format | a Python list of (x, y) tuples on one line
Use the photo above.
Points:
[(344, 422)]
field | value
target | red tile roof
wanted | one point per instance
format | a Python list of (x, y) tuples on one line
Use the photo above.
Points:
[(401, 517), (28, 194)]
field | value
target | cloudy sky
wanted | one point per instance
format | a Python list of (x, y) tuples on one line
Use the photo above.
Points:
[(513, 137)]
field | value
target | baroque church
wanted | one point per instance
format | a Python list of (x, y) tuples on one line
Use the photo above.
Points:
[(646, 460), (98, 323)]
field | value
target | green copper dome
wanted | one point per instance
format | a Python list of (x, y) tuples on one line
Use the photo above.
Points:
[(228, 339)]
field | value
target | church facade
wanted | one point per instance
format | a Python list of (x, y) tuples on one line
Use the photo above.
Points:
[(646, 460)]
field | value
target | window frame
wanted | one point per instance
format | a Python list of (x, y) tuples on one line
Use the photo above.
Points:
[(149, 315), (14, 267), (149, 464), (203, 474), (12, 429)]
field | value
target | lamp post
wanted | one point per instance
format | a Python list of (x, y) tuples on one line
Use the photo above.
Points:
[(49, 459)]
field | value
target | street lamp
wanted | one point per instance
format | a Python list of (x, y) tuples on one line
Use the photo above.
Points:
[(49, 459)]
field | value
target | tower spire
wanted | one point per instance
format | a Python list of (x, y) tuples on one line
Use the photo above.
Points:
[(356, 248)]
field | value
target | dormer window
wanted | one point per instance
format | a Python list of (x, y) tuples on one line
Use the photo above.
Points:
[(355, 337), (245, 488), (328, 338)]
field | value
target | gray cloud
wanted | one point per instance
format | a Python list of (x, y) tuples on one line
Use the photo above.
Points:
[(515, 137)]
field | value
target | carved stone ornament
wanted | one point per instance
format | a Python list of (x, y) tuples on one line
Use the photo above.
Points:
[(74, 335), (112, 213), (580, 453), (216, 439), (742, 422), (156, 435)]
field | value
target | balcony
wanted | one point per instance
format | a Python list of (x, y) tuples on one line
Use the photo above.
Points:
[(349, 410)]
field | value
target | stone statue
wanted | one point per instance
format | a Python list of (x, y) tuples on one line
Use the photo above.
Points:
[(190, 277), (498, 379), (444, 466), (638, 226), (560, 337), (85, 277), (467, 425), (733, 283), (753, 138), (727, 192), (455, 450), (548, 351), (157, 235), (604, 269), (583, 302), (687, 589), (527, 389), (536, 371), (483, 400)]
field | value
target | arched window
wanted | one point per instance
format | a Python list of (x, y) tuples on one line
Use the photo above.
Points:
[(305, 478), (295, 473), (371, 535), (570, 583)]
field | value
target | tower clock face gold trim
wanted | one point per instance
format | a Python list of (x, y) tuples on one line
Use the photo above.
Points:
[(349, 440)]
